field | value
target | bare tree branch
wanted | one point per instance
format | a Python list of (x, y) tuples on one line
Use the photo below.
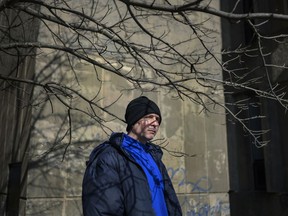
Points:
[(139, 42)]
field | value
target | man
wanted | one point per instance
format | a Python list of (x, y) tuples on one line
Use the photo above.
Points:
[(125, 175)]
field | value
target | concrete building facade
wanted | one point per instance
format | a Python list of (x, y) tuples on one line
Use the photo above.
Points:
[(258, 175), (200, 177), (15, 112)]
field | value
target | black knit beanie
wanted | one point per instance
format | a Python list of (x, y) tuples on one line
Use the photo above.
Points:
[(138, 108)]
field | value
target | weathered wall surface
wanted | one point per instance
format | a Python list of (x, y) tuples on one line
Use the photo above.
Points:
[(54, 178), (201, 181)]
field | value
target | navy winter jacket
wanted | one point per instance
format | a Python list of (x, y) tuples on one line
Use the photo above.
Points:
[(114, 184)]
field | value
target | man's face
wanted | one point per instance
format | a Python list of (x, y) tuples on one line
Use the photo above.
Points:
[(145, 129)]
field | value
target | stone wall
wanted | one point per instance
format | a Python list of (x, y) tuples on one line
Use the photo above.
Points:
[(201, 180), (193, 141)]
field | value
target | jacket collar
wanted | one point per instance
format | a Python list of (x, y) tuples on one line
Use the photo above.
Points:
[(116, 140)]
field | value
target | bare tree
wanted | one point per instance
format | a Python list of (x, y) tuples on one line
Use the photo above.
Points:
[(151, 44)]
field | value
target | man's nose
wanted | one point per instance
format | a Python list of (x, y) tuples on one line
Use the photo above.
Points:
[(155, 121)]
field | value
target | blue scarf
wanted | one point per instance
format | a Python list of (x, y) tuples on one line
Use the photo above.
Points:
[(139, 152)]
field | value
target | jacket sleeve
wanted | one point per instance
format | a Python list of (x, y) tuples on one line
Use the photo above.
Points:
[(101, 189)]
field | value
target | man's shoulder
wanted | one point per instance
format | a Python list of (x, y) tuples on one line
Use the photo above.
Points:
[(108, 145), (104, 147), (104, 152)]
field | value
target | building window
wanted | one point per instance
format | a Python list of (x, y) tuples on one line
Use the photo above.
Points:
[(250, 165)]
